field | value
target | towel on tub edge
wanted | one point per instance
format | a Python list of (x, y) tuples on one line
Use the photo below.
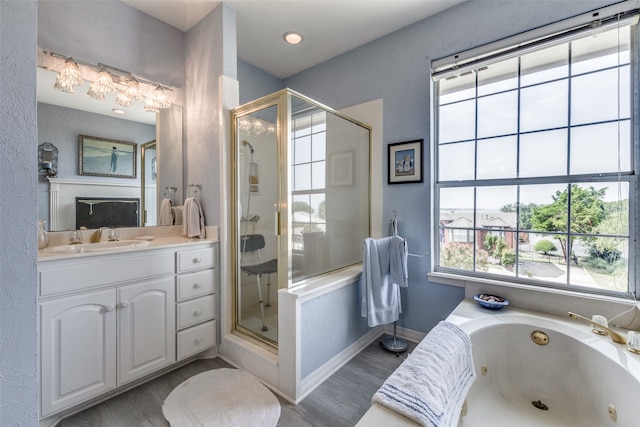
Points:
[(431, 384)]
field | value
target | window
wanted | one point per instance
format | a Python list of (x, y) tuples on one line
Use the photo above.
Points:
[(308, 172), (534, 169)]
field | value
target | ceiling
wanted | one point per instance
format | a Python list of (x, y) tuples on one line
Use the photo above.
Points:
[(329, 27)]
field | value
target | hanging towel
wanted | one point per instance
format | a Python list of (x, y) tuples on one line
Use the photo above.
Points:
[(166, 218), (431, 384), (193, 219), (384, 271), (177, 214)]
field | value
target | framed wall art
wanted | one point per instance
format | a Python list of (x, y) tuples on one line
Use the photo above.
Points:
[(106, 157), (405, 162)]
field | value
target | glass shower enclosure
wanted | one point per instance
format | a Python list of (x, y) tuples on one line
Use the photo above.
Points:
[(300, 207)]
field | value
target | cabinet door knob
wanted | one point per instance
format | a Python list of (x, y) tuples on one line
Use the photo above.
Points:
[(124, 304), (196, 260), (106, 309), (197, 285), (198, 340), (197, 312)]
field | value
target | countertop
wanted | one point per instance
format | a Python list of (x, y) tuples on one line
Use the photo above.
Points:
[(156, 237)]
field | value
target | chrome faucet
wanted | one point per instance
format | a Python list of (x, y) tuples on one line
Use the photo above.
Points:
[(615, 337)]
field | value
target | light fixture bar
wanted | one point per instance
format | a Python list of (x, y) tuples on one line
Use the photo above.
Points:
[(122, 76)]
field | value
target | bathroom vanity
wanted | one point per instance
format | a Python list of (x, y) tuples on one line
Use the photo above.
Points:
[(109, 318)]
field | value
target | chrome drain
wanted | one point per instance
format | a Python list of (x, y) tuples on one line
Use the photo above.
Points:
[(539, 405)]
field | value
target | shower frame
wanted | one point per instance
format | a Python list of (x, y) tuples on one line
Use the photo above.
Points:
[(282, 214)]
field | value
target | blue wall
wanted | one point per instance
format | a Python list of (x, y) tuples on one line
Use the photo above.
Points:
[(255, 83), (396, 68)]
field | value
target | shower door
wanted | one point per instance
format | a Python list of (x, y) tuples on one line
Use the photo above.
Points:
[(300, 201), (256, 222)]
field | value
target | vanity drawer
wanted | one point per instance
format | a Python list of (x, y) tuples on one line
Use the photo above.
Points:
[(195, 259), (81, 274), (196, 339), (196, 311), (193, 285)]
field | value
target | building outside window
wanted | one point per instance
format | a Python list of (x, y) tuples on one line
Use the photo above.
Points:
[(534, 162)]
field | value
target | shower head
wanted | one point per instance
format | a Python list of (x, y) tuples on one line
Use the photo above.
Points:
[(245, 143)]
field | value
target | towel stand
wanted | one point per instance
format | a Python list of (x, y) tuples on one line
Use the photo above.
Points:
[(395, 344)]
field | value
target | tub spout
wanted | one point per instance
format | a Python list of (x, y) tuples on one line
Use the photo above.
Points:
[(615, 337)]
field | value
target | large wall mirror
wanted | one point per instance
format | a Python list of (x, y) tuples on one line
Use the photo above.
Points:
[(158, 139)]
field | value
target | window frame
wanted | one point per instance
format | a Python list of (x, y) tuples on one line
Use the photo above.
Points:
[(568, 180)]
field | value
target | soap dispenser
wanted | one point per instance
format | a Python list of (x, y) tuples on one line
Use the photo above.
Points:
[(43, 235)]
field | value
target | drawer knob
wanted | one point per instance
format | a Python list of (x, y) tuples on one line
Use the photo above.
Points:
[(124, 304), (198, 340), (197, 312), (197, 285), (196, 260)]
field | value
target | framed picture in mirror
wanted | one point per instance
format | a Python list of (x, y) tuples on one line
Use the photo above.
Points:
[(106, 157)]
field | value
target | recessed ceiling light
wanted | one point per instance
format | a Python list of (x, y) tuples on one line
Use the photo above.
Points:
[(118, 111), (292, 37)]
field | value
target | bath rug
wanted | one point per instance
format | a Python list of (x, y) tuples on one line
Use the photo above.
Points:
[(221, 397)]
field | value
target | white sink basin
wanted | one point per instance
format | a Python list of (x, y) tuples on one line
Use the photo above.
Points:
[(96, 247)]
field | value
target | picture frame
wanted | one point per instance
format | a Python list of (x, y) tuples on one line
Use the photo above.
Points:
[(405, 162), (107, 157), (341, 169)]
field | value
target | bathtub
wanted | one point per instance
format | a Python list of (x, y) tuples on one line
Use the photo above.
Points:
[(578, 379)]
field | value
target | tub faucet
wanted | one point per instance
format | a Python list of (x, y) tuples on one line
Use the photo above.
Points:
[(615, 337)]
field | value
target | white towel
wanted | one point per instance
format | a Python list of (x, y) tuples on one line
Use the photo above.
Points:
[(193, 219), (431, 384), (177, 214), (384, 270), (165, 213)]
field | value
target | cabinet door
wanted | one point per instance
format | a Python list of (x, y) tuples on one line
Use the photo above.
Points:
[(78, 349), (147, 331)]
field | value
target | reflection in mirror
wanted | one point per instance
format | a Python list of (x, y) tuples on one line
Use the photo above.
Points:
[(149, 187), (61, 120)]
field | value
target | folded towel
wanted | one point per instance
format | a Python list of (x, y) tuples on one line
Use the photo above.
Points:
[(431, 384), (166, 218), (177, 214), (193, 219), (384, 270)]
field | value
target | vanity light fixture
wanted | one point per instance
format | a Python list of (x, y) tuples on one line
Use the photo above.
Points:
[(157, 100), (109, 79), (292, 37), (101, 87), (68, 77), (127, 96)]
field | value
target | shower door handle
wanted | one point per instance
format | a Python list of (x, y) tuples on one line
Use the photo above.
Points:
[(277, 223)]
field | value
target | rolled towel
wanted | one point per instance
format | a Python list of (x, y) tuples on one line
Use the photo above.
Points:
[(431, 384), (166, 218)]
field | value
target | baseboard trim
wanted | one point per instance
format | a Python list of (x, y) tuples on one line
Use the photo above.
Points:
[(407, 334), (317, 377)]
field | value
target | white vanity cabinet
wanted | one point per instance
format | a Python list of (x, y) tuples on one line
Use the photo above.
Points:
[(77, 349), (110, 319), (146, 322)]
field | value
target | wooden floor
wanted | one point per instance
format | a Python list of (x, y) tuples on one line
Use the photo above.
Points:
[(340, 401)]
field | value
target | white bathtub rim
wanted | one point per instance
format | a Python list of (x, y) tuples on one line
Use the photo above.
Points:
[(471, 317)]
